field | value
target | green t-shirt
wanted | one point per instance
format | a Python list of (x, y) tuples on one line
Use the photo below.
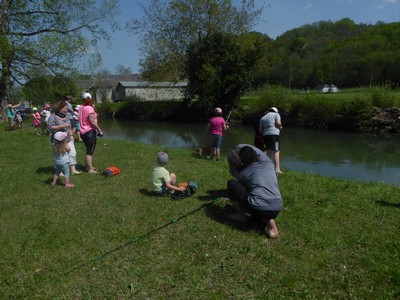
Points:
[(159, 176)]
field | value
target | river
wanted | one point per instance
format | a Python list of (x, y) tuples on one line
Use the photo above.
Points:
[(344, 155)]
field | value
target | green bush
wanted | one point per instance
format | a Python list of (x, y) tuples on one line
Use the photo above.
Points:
[(383, 96), (347, 110)]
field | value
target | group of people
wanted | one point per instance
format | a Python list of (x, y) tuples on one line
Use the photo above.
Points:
[(62, 127), (255, 189)]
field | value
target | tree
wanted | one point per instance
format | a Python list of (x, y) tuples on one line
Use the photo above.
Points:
[(122, 70), (41, 89), (170, 26), (217, 71), (48, 36)]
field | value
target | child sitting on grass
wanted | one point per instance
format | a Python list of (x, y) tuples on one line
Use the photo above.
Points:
[(162, 181), (61, 158)]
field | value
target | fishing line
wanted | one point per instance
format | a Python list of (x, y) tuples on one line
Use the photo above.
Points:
[(134, 240)]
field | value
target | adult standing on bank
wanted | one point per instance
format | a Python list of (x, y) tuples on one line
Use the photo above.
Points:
[(11, 114), (89, 129), (270, 127), (58, 121)]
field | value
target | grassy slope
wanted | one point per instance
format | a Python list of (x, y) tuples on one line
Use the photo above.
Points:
[(339, 239)]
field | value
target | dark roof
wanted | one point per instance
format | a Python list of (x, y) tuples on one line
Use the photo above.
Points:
[(135, 84), (107, 81)]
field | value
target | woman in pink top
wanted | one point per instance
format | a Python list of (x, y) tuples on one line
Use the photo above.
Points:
[(89, 129), (216, 126)]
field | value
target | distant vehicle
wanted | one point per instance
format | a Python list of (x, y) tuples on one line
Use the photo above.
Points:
[(326, 88)]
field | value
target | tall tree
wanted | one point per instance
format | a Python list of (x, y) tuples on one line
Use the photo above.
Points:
[(217, 71), (48, 35), (170, 26)]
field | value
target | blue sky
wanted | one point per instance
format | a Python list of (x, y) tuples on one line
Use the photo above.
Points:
[(280, 16)]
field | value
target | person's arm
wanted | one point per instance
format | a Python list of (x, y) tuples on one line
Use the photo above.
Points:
[(278, 123), (173, 187), (93, 121), (54, 127)]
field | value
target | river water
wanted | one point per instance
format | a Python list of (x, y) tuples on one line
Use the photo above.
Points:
[(356, 156)]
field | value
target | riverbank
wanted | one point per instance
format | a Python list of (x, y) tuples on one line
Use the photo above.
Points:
[(108, 238), (374, 110)]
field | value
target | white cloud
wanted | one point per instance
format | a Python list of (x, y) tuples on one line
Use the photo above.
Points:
[(308, 6)]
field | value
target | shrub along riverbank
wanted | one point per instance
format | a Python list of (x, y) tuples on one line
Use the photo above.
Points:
[(106, 238), (374, 110)]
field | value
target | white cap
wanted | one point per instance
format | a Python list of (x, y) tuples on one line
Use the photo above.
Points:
[(60, 135), (218, 110), (274, 109), (85, 95)]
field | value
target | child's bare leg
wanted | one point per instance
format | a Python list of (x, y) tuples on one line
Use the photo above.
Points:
[(272, 229), (54, 183), (217, 152), (277, 162), (172, 178)]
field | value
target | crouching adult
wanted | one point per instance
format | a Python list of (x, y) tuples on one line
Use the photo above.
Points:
[(255, 189)]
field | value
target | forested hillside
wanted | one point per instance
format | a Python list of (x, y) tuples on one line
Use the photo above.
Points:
[(341, 53)]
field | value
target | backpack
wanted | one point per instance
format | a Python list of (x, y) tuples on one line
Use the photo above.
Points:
[(111, 171), (190, 188)]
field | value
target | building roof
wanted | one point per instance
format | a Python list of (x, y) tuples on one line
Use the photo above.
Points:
[(144, 84)]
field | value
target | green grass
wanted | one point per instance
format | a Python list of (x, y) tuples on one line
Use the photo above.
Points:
[(105, 238)]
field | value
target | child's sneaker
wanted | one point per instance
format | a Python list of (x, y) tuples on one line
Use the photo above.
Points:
[(68, 186)]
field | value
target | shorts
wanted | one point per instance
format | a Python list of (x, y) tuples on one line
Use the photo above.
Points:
[(62, 168), (217, 141), (89, 139), (272, 142), (164, 188)]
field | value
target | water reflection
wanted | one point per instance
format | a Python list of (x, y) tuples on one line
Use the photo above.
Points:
[(337, 154)]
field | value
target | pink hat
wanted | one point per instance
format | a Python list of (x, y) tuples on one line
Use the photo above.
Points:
[(218, 110), (60, 136)]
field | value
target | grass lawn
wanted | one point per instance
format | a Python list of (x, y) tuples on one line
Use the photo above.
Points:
[(108, 238)]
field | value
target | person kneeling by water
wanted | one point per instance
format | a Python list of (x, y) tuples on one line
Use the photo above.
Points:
[(256, 189)]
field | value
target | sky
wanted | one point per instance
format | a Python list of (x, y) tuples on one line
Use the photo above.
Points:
[(278, 17)]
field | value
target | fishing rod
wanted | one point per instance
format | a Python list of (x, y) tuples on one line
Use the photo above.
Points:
[(136, 239), (228, 117)]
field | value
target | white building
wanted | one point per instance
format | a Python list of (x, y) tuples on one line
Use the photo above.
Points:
[(149, 91), (113, 88)]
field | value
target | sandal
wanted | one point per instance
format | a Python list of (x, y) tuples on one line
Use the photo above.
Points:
[(68, 186)]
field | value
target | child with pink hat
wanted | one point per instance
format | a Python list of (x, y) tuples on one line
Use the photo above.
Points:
[(61, 158)]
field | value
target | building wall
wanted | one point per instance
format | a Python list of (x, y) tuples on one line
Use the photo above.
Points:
[(153, 94)]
